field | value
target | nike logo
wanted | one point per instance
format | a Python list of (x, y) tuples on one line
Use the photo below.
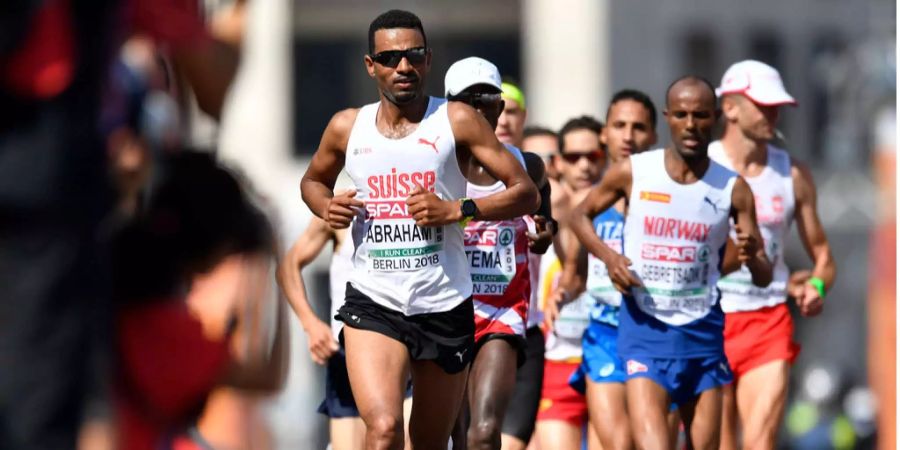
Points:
[(460, 354), (433, 145), (715, 206)]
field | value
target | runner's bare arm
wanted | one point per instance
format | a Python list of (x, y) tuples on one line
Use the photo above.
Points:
[(751, 251), (317, 184), (320, 341), (574, 267), (730, 261), (540, 241), (473, 132), (813, 237), (616, 184)]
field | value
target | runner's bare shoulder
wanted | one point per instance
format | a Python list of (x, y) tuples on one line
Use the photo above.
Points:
[(466, 122), (618, 176), (337, 133)]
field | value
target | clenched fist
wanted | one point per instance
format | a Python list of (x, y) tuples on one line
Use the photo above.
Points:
[(430, 211), (341, 209)]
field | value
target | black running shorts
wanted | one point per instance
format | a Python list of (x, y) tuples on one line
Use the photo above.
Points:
[(447, 338)]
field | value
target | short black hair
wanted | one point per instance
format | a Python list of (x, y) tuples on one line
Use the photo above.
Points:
[(532, 130), (696, 79), (395, 18), (579, 123), (635, 95)]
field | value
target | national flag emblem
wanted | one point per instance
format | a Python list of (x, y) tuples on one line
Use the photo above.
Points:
[(659, 197), (633, 367), (778, 204)]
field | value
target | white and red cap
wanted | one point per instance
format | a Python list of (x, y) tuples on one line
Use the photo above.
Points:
[(757, 81), (468, 72)]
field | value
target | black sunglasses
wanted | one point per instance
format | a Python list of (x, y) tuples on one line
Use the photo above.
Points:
[(479, 99), (392, 58), (575, 156)]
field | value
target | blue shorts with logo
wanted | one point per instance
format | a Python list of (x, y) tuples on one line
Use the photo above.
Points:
[(600, 361), (683, 378)]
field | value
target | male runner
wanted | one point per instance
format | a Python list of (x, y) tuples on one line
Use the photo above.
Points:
[(758, 326), (563, 410), (630, 129), (347, 431), (545, 143), (408, 305), (518, 424), (675, 234), (498, 258)]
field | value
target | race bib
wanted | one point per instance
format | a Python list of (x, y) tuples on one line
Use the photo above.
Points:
[(676, 282), (491, 252), (394, 243), (574, 318), (599, 285)]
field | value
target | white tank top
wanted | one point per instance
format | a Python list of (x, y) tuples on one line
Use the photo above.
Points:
[(773, 191), (401, 266), (564, 342), (338, 274), (675, 235)]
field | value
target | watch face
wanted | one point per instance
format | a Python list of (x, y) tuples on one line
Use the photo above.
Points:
[(468, 208)]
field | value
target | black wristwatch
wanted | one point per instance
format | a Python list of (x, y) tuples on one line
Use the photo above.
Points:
[(468, 209)]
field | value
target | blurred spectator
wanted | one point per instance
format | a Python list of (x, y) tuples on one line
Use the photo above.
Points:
[(54, 57), (174, 346), (882, 303)]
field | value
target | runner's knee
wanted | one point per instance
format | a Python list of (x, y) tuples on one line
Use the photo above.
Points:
[(485, 433), (385, 427)]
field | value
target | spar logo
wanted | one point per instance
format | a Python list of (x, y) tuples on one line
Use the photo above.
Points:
[(395, 209), (675, 253), (488, 236)]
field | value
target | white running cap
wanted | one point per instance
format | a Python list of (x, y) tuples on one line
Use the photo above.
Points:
[(757, 81), (468, 72)]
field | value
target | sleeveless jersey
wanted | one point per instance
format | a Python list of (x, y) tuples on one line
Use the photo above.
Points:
[(675, 236), (564, 342), (773, 192), (608, 225), (497, 251), (399, 265), (338, 273)]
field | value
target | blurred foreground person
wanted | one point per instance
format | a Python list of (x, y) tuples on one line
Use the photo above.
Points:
[(54, 310), (191, 313)]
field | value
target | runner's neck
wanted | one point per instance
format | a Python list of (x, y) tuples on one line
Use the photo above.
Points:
[(684, 171), (748, 157), (398, 121)]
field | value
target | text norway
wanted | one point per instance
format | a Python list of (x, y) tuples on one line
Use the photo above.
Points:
[(676, 229)]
